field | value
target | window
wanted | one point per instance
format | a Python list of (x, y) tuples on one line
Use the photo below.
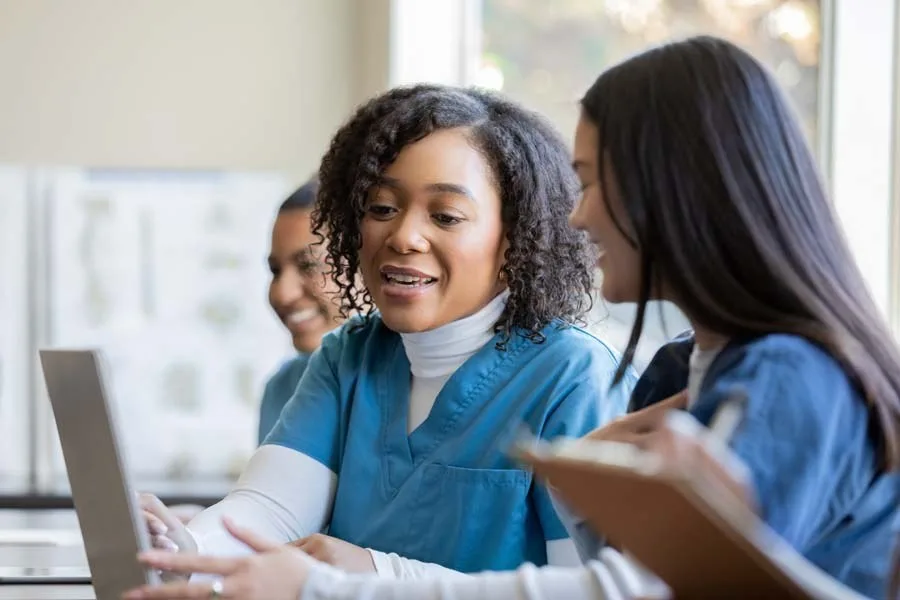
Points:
[(546, 54), (859, 158), (894, 159)]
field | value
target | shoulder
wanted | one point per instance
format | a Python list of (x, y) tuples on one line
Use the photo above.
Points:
[(285, 379), (788, 376), (769, 349), (673, 355), (577, 358), (569, 344), (576, 370), (290, 370), (788, 360)]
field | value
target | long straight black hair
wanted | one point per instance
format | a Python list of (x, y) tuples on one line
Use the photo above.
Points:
[(723, 200)]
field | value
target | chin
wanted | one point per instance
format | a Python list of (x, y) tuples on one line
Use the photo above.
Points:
[(406, 321), (307, 343), (619, 296), (613, 295)]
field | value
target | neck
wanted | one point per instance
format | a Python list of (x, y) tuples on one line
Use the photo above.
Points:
[(706, 339), (441, 351)]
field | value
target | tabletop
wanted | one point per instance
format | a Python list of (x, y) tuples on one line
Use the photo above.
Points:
[(41, 538)]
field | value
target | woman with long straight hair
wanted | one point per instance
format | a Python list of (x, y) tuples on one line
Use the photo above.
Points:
[(698, 188)]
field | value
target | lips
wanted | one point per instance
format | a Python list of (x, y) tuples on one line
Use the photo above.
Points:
[(404, 283), (406, 277)]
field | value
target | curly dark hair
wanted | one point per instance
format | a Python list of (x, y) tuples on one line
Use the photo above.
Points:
[(549, 266)]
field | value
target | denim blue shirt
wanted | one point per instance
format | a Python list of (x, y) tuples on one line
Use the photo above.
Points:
[(807, 441)]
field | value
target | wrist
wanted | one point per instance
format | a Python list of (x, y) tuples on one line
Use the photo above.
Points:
[(316, 579), (192, 543), (381, 563)]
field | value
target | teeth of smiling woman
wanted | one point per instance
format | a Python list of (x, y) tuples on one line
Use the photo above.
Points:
[(302, 316), (408, 279)]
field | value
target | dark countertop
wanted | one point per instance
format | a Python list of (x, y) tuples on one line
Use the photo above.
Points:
[(16, 494)]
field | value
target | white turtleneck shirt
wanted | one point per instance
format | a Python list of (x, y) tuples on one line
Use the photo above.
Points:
[(435, 355)]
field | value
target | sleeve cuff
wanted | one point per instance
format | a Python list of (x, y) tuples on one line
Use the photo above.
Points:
[(322, 582), (383, 566)]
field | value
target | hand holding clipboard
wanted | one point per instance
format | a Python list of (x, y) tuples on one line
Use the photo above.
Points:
[(686, 523)]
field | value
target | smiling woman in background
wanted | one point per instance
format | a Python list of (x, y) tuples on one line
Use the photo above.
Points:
[(301, 294)]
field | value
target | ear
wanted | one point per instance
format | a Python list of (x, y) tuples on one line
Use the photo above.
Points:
[(502, 250), (501, 260)]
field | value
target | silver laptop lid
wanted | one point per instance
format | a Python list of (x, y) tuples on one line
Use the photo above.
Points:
[(111, 522)]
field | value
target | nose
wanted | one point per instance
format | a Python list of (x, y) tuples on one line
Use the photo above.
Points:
[(576, 217), (406, 236), (286, 289)]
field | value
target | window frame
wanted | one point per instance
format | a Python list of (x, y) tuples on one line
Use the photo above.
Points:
[(895, 187), (859, 92), (453, 53)]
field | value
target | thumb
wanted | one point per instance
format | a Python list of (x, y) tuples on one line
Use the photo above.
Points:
[(255, 542), (679, 400), (155, 506)]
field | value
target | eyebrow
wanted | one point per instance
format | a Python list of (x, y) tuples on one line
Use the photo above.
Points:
[(304, 253), (440, 188)]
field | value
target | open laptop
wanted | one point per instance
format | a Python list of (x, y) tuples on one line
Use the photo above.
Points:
[(111, 522)]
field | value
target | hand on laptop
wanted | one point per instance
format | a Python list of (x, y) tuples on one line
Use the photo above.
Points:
[(275, 572), (167, 531)]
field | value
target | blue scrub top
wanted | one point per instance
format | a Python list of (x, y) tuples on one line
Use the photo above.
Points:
[(806, 440), (278, 391), (448, 493)]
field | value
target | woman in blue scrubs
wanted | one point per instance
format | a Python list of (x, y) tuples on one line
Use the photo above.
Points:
[(446, 218), (300, 293), (699, 188)]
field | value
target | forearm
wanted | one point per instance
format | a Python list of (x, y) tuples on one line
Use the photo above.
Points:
[(265, 500), (560, 553), (394, 566), (610, 578)]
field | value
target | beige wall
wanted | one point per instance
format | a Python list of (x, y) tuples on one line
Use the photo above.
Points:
[(243, 84), (372, 47)]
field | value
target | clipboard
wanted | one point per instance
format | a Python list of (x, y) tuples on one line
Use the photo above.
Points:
[(688, 530)]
